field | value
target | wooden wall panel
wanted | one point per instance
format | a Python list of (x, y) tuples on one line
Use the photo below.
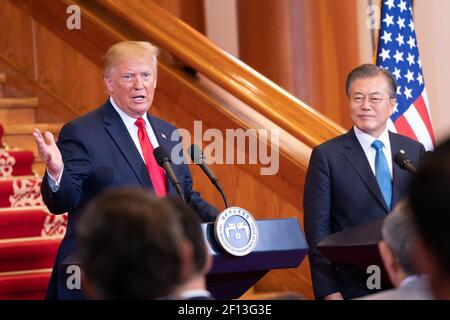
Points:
[(265, 39), (306, 46), (16, 40), (67, 72), (190, 11)]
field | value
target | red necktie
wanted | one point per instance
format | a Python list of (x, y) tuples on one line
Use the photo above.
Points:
[(155, 172)]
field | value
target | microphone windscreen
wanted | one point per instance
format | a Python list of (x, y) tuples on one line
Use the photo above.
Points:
[(195, 153), (161, 155)]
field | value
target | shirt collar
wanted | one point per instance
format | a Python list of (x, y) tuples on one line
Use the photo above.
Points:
[(127, 119), (366, 140)]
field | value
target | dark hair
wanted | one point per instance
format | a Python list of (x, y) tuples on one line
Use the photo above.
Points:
[(129, 245), (370, 71), (430, 203), (190, 223)]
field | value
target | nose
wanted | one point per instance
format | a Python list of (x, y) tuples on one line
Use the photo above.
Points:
[(365, 105), (138, 82)]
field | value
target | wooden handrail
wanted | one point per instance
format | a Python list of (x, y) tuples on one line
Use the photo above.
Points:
[(193, 48)]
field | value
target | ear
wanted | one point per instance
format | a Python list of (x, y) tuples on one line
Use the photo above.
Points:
[(208, 262), (392, 104), (390, 264), (187, 260), (109, 83)]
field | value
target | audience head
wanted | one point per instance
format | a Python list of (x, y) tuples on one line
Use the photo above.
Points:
[(132, 246), (430, 203), (191, 225), (396, 248)]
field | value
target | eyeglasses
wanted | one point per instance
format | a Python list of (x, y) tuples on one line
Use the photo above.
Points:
[(373, 101)]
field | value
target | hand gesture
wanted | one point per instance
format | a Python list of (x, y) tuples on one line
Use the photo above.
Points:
[(49, 152)]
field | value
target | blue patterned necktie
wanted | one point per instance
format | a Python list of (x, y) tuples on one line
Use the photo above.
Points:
[(382, 172)]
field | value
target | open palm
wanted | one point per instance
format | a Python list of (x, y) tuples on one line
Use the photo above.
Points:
[(49, 152)]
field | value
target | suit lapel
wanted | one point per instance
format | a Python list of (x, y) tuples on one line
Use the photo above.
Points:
[(358, 160), (397, 173), (119, 133)]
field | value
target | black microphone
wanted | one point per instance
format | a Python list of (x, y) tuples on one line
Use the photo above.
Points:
[(198, 158), (163, 159), (403, 162)]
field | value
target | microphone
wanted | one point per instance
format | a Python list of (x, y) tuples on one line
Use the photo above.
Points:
[(163, 159), (198, 158), (403, 162)]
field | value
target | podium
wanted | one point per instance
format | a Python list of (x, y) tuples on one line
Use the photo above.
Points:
[(281, 244), (356, 246)]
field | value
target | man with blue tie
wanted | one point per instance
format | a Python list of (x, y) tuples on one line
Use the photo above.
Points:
[(112, 146), (352, 180)]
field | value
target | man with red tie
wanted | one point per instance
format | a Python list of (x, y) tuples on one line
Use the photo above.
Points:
[(112, 146)]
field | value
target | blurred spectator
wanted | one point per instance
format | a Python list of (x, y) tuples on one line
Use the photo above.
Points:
[(132, 246), (396, 250), (430, 204)]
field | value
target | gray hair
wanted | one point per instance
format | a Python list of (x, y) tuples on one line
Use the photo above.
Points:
[(370, 71), (398, 231)]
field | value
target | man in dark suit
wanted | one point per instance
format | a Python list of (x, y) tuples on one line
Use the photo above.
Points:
[(352, 179), (112, 146)]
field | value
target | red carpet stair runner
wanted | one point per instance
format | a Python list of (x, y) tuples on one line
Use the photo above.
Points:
[(29, 234)]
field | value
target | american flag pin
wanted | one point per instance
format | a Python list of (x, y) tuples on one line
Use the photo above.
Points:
[(163, 135)]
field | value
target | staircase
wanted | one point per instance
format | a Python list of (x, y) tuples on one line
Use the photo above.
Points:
[(29, 234)]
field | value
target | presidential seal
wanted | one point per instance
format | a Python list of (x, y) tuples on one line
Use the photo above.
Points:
[(236, 231)]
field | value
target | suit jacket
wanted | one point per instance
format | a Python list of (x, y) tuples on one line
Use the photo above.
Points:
[(98, 153), (417, 289), (341, 191)]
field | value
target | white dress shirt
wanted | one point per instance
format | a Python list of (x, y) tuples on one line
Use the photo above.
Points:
[(366, 140), (133, 129)]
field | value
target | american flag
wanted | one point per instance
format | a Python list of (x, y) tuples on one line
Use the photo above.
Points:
[(397, 51)]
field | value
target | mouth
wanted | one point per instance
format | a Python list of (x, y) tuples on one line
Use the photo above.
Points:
[(365, 116), (138, 98)]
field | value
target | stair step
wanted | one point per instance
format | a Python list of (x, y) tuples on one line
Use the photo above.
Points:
[(24, 285), (23, 191), (20, 135), (18, 110), (28, 253), (16, 163), (28, 222), (18, 102)]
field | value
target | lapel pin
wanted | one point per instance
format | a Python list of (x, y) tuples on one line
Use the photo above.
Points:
[(163, 135)]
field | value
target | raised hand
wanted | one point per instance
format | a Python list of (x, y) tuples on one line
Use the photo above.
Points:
[(49, 152)]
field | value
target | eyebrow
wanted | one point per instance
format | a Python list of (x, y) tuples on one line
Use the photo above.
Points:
[(371, 93)]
